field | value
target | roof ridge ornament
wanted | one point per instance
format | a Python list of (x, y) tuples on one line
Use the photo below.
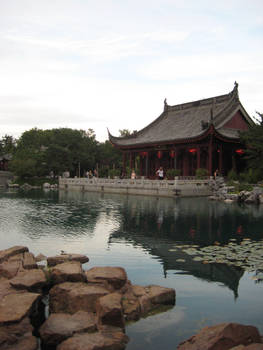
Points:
[(235, 90), (165, 107)]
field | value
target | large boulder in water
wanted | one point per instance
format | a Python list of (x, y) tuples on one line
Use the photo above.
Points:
[(114, 277), (59, 259), (58, 327), (71, 297), (70, 271), (223, 336)]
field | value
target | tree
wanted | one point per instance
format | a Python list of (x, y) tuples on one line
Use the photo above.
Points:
[(108, 157), (125, 132), (253, 139), (41, 151), (7, 145)]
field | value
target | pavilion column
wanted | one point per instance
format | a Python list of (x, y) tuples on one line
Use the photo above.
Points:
[(220, 159), (210, 153), (234, 164), (175, 158), (198, 157), (130, 160), (147, 165), (124, 162)]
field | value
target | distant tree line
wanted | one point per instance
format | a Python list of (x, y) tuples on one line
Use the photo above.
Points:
[(40, 153)]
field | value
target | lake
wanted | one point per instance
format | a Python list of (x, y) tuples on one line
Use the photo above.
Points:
[(157, 241)]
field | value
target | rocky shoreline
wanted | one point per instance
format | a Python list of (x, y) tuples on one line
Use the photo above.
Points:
[(57, 305), (86, 309), (226, 193)]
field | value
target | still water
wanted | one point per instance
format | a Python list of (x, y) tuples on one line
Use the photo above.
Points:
[(139, 234)]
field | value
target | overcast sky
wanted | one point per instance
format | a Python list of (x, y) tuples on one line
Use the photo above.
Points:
[(110, 63)]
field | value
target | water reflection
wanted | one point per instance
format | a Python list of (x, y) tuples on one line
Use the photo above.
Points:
[(97, 223), (157, 225), (195, 220)]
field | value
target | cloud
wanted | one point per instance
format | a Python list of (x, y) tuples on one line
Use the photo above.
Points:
[(111, 63), (202, 66)]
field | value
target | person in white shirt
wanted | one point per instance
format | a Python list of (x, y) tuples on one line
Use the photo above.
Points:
[(160, 173)]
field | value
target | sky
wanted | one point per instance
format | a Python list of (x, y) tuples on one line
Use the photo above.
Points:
[(110, 64)]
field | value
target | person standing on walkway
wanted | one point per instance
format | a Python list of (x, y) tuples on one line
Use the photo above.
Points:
[(160, 173)]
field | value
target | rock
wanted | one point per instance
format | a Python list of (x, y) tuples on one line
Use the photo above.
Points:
[(160, 295), (228, 200), (5, 288), (33, 280), (18, 336), (40, 257), (131, 305), (29, 261), (59, 259), (6, 253), (71, 297), (254, 346), (14, 307), (10, 269), (115, 277), (61, 326), (70, 271), (46, 185), (113, 340), (223, 336), (109, 310), (260, 198)]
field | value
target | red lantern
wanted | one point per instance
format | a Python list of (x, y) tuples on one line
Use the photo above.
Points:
[(192, 150), (172, 154), (240, 151), (159, 154), (144, 154)]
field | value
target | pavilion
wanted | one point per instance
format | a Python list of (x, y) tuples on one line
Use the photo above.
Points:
[(188, 136)]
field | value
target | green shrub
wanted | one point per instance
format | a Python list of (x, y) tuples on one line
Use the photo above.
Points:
[(201, 173), (128, 172), (104, 172), (171, 173), (114, 172), (232, 175)]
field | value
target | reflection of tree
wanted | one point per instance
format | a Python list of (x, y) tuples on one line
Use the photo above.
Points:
[(196, 220), (157, 225)]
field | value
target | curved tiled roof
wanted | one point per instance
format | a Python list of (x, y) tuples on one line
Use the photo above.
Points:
[(188, 121)]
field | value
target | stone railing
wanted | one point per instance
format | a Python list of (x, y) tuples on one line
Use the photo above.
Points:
[(165, 188), (4, 177)]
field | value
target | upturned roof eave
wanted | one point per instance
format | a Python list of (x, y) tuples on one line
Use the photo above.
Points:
[(210, 130)]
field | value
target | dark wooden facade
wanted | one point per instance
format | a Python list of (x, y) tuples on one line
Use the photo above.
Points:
[(4, 160), (199, 134)]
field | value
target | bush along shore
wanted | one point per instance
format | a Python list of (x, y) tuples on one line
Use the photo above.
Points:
[(54, 302), (236, 192)]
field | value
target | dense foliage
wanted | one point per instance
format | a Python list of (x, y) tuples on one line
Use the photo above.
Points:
[(253, 139), (40, 153)]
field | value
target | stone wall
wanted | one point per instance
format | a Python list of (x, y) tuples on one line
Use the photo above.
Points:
[(4, 177), (162, 188)]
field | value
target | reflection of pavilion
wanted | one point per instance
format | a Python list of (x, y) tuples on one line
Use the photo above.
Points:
[(161, 229), (223, 273)]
